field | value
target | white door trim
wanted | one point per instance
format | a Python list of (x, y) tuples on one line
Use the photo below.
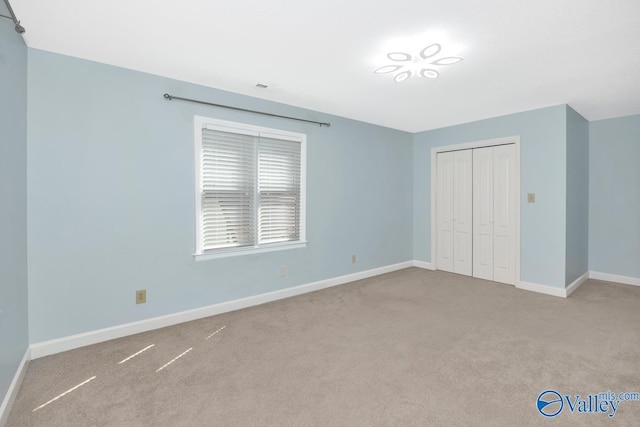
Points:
[(465, 146)]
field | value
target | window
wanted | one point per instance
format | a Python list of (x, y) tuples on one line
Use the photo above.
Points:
[(250, 188)]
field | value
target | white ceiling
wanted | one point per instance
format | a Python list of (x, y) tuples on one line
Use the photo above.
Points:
[(518, 54)]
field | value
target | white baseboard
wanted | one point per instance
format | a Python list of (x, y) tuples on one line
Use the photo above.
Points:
[(534, 287), (14, 387), (576, 283), (47, 348), (625, 280), (543, 289), (423, 264)]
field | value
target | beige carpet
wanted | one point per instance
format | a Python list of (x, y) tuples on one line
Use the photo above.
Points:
[(412, 347)]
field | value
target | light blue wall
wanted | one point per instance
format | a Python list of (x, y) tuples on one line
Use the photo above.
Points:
[(14, 337), (543, 171), (111, 198), (614, 196), (111, 203), (577, 251)]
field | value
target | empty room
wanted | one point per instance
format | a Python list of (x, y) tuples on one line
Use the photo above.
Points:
[(347, 213)]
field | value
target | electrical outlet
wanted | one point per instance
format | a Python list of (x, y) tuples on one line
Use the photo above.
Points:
[(141, 296), (354, 258), (283, 271), (531, 197)]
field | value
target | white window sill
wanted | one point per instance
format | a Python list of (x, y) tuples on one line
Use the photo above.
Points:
[(248, 251)]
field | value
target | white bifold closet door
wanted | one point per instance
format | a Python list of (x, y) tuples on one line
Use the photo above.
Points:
[(454, 211), (444, 211), (483, 213), (494, 213)]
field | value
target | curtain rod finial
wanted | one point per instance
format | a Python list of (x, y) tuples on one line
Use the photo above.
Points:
[(19, 28)]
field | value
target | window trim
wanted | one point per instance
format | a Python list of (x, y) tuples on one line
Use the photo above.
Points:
[(229, 126)]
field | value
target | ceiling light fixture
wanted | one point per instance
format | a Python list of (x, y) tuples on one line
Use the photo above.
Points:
[(430, 51), (400, 77), (447, 61), (421, 65), (388, 69), (399, 56), (429, 73)]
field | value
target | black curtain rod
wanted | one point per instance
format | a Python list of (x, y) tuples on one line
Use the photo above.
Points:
[(170, 97)]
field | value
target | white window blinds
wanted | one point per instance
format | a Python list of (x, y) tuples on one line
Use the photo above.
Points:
[(279, 188), (228, 187), (250, 189)]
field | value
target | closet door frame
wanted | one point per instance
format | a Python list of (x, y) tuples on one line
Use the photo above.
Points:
[(466, 146)]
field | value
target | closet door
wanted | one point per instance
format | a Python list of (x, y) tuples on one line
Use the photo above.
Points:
[(462, 212), (504, 214), (444, 211), (483, 213)]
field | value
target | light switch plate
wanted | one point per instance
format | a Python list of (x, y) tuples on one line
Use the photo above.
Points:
[(531, 197)]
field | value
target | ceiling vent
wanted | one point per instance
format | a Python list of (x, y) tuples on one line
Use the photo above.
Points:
[(266, 87)]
